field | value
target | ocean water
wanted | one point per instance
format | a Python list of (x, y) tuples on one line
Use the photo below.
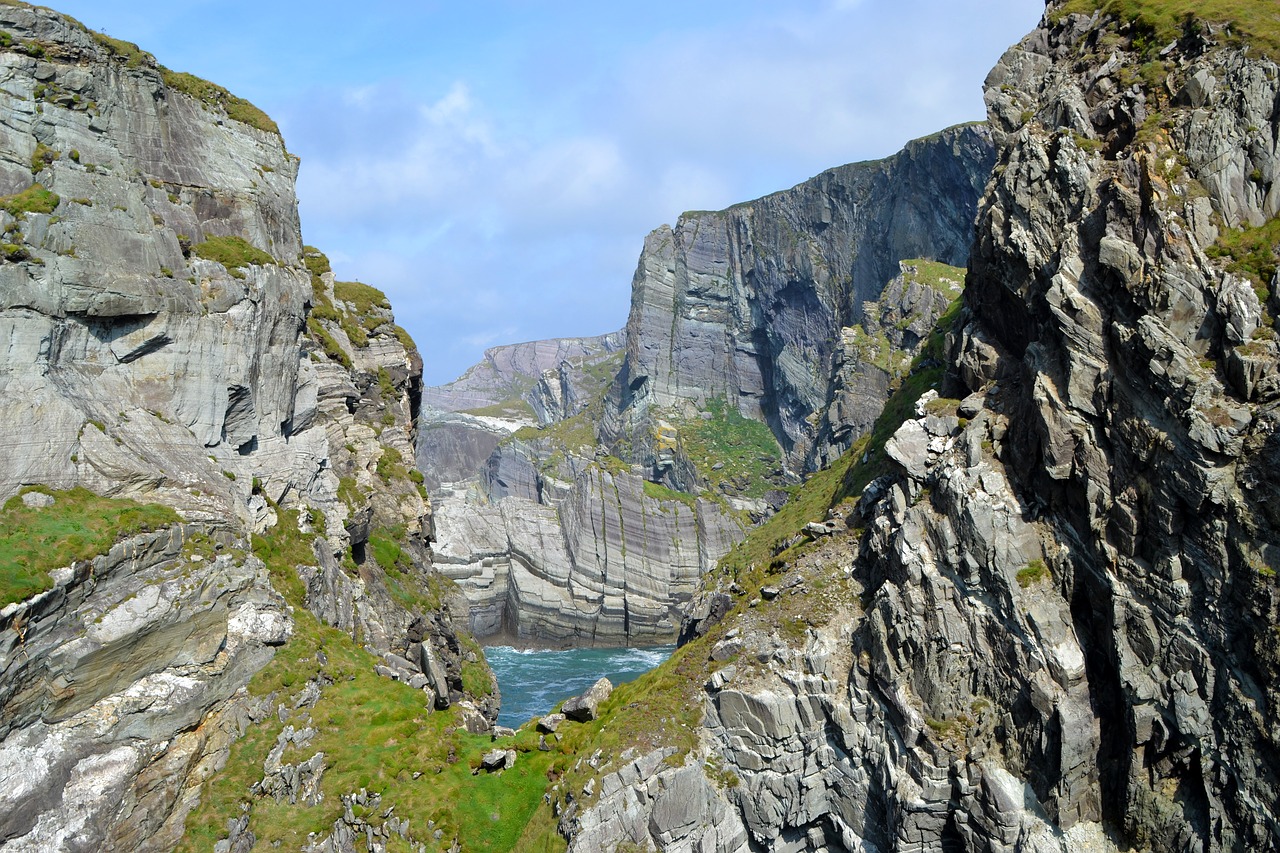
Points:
[(533, 681)]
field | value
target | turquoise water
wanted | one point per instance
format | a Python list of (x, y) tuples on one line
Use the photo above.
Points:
[(534, 681)]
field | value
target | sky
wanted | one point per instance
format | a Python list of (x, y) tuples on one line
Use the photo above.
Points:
[(495, 165)]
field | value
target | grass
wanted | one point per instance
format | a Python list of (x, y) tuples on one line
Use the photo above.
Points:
[(362, 297), (376, 734), (943, 278), (232, 252), (1159, 22), (1033, 572), (79, 525), (1251, 253), (327, 342), (213, 95), (34, 199), (517, 409), (42, 158), (391, 465), (745, 448), (367, 304), (659, 492), (575, 433)]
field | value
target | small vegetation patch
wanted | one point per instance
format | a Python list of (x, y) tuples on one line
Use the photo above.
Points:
[(941, 277), (77, 526), (1033, 572), (362, 297), (734, 454), (659, 492), (232, 252), (34, 199), (213, 95), (1251, 252), (391, 465), (1160, 22), (42, 158)]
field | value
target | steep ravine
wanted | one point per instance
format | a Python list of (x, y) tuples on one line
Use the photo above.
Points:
[(761, 342)]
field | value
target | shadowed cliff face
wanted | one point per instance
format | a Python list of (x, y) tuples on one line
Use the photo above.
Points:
[(747, 304), (1059, 629)]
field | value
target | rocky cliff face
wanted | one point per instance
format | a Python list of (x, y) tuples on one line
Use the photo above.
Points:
[(768, 313), (164, 336), (1042, 614), (747, 304), (553, 541)]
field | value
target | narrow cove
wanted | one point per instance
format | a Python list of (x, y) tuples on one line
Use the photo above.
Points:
[(533, 681)]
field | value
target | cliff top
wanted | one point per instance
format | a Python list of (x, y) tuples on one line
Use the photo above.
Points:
[(45, 40), (1248, 21)]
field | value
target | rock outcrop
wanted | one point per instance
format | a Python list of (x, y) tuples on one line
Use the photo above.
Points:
[(780, 299), (1058, 629), (165, 336), (579, 554), (511, 372), (747, 304)]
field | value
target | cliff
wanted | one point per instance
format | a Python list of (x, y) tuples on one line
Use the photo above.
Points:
[(747, 304), (762, 340), (1038, 612), (166, 338)]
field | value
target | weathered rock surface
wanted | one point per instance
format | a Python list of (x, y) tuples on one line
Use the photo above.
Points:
[(244, 396), (585, 708), (188, 367), (1062, 628), (748, 304), (512, 371), (728, 305), (588, 560)]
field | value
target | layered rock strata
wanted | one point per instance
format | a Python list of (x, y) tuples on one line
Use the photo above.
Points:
[(579, 555), (1059, 632), (731, 313), (748, 304), (165, 336)]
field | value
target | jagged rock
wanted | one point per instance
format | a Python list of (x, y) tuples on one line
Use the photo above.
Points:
[(1078, 623), (693, 333), (603, 563), (585, 708), (508, 372), (550, 723), (134, 366), (498, 759)]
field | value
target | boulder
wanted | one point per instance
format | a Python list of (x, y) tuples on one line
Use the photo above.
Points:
[(585, 708)]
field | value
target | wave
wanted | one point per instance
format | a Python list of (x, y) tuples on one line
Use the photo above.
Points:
[(532, 681)]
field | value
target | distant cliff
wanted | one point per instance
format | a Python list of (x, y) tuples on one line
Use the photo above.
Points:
[(747, 304), (558, 539)]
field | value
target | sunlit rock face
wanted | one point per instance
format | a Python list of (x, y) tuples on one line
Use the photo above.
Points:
[(1060, 633)]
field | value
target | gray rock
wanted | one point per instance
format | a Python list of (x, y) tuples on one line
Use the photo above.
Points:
[(550, 723), (585, 708), (498, 759), (37, 500)]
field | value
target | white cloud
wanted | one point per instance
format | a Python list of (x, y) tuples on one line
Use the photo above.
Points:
[(517, 207)]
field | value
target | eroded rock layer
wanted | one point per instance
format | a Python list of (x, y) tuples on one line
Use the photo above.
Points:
[(164, 336), (747, 304), (1049, 624)]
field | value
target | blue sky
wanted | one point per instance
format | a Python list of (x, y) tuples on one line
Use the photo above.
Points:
[(494, 166)]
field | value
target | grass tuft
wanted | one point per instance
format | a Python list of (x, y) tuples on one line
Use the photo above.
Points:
[(79, 525), (232, 252), (34, 199)]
